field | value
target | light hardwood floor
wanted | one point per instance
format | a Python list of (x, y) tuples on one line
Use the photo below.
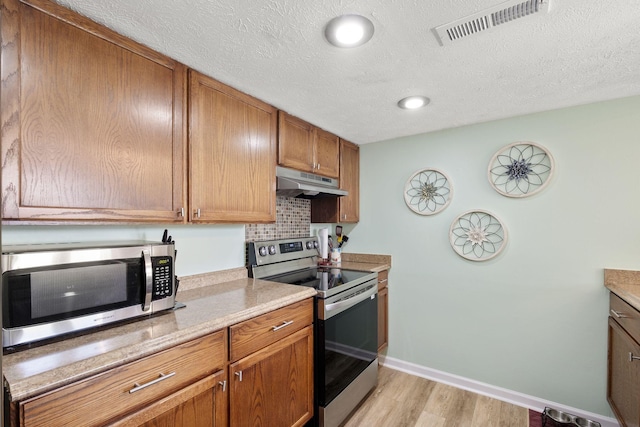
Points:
[(403, 400)]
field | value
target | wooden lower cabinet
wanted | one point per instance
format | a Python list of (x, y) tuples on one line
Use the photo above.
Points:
[(270, 382), (383, 310), (274, 386), (623, 378), (135, 393), (203, 404)]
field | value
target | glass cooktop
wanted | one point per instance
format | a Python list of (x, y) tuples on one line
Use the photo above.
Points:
[(326, 280)]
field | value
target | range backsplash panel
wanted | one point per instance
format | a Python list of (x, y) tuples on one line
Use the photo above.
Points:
[(293, 219)]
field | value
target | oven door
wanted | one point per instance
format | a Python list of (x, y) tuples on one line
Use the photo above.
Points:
[(346, 338)]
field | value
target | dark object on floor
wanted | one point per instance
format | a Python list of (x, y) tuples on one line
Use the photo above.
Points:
[(535, 418)]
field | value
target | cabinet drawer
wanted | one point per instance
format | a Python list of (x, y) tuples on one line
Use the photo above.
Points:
[(254, 334), (121, 390), (627, 316), (383, 279)]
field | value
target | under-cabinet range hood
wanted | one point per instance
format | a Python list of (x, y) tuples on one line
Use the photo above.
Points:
[(293, 183)]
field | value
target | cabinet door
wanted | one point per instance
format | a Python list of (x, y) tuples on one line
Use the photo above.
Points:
[(202, 404), (346, 208), (327, 154), (383, 311), (274, 386), (623, 381), (232, 158), (350, 181), (295, 143), (94, 121)]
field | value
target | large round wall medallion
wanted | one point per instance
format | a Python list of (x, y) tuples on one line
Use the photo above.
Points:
[(520, 169), (428, 191), (477, 235)]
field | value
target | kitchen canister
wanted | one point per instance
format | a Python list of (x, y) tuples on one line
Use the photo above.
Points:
[(336, 256)]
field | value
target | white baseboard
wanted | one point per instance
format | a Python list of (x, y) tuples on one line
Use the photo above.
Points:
[(499, 393)]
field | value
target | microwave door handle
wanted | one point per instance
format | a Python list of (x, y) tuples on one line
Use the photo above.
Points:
[(148, 278)]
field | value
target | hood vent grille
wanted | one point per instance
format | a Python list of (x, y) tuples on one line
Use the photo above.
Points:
[(481, 21)]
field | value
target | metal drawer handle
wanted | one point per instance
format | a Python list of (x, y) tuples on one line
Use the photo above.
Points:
[(239, 375), (618, 314), (383, 281), (162, 377), (284, 325), (223, 384), (632, 357)]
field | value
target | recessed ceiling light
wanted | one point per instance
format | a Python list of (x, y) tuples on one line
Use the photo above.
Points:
[(349, 31), (413, 102)]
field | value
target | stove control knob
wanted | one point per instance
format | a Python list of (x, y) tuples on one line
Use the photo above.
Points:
[(272, 250), (315, 244), (309, 244), (262, 251)]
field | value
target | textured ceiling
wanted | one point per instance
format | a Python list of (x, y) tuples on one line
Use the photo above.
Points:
[(582, 51)]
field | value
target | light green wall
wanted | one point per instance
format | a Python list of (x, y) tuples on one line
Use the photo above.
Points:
[(532, 320), (201, 248)]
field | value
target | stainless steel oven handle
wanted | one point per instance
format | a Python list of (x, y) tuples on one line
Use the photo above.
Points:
[(148, 279), (353, 299)]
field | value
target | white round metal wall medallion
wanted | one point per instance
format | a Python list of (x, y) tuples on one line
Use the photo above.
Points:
[(428, 191), (477, 235), (520, 169)]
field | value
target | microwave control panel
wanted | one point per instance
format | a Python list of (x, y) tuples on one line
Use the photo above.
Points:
[(162, 277)]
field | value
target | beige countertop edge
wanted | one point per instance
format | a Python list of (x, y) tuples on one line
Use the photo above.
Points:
[(377, 261), (208, 309), (625, 284)]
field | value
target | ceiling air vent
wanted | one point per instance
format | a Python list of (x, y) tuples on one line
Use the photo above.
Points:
[(488, 18)]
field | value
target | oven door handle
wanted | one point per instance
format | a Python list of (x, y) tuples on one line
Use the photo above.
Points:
[(352, 300)]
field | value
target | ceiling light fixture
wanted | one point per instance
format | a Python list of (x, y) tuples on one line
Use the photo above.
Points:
[(413, 102), (348, 31)]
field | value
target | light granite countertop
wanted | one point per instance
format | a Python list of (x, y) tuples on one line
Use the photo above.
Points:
[(365, 262), (208, 308), (625, 284)]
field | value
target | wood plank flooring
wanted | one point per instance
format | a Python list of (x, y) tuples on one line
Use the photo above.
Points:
[(403, 400)]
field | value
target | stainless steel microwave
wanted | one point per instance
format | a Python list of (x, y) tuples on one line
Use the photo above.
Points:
[(51, 290)]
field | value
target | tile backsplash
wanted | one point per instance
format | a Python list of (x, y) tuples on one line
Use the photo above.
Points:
[(293, 219)]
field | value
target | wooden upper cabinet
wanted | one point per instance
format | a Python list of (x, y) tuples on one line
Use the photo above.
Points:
[(304, 147), (350, 181), (93, 123), (232, 154), (345, 208)]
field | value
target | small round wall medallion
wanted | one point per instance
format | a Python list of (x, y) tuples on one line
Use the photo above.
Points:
[(520, 169), (428, 191), (477, 235)]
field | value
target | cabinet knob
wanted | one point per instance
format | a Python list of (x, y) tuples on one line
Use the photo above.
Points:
[(196, 213), (239, 375), (632, 357), (181, 213), (223, 384)]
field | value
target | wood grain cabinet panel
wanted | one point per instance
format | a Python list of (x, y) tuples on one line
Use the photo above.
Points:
[(232, 158), (113, 394), (94, 122), (623, 380), (202, 404), (383, 310), (271, 374), (274, 386), (307, 148), (253, 334), (347, 208)]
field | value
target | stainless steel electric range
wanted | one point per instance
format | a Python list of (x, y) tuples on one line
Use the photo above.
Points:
[(346, 331)]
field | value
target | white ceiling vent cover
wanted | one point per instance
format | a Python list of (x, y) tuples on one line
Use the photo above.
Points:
[(489, 18)]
